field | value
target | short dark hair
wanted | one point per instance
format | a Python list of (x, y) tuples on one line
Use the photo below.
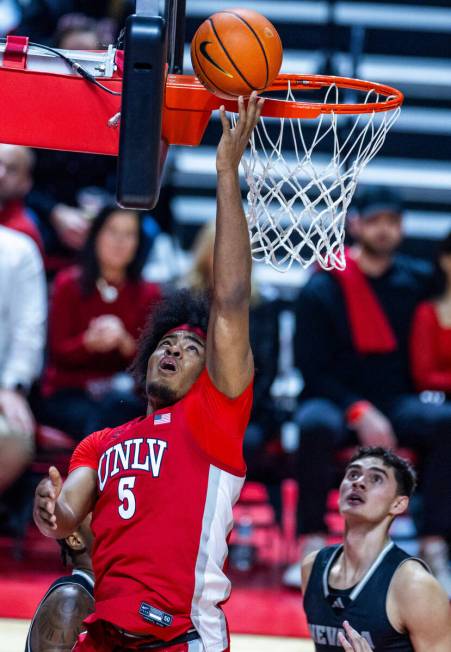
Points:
[(67, 551), (89, 264), (180, 307), (376, 199), (405, 474)]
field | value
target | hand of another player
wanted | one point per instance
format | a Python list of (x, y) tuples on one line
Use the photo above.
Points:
[(16, 411), (45, 498), (353, 641), (234, 141), (374, 429)]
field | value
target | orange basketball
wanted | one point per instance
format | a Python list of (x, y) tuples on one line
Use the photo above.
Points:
[(235, 52)]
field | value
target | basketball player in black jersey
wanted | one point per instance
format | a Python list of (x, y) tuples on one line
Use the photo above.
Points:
[(69, 600), (368, 594)]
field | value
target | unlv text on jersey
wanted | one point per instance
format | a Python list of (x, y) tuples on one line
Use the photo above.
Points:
[(133, 454)]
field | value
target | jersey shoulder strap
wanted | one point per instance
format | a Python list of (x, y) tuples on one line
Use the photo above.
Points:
[(323, 560)]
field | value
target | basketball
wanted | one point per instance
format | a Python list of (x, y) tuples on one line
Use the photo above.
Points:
[(235, 52)]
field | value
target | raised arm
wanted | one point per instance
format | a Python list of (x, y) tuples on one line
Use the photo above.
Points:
[(229, 356), (60, 508)]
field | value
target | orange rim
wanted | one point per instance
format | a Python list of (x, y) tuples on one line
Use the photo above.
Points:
[(394, 98), (188, 104), (183, 90)]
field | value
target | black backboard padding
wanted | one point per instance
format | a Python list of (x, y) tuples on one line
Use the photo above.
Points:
[(138, 182)]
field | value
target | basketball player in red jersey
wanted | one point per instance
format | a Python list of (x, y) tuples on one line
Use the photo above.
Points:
[(162, 487)]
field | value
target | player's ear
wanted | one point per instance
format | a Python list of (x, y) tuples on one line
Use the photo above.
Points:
[(75, 541), (400, 505)]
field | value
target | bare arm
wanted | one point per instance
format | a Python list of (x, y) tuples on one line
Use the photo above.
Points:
[(229, 356), (59, 620), (306, 569), (60, 508), (420, 607)]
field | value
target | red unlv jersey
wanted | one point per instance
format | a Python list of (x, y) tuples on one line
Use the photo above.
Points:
[(166, 486)]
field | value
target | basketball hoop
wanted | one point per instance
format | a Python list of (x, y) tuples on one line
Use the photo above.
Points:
[(303, 163), (301, 167)]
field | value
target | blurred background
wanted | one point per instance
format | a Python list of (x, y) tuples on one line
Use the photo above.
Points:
[(91, 262)]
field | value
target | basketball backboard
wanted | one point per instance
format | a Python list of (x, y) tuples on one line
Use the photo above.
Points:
[(154, 40)]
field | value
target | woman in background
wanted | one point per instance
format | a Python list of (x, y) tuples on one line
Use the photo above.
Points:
[(430, 344), (97, 311)]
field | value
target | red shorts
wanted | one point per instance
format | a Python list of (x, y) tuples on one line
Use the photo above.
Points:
[(101, 637)]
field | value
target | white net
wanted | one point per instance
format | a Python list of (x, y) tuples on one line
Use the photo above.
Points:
[(302, 174)]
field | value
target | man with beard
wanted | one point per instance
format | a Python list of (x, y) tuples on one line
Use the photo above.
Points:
[(368, 594), (162, 487), (351, 346)]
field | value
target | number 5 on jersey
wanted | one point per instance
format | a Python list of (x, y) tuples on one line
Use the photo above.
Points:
[(126, 496)]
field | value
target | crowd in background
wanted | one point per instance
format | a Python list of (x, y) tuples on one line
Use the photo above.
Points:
[(373, 344)]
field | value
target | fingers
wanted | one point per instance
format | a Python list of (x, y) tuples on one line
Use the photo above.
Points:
[(224, 120), (45, 517), (45, 503), (344, 642), (250, 115), (56, 480), (354, 640)]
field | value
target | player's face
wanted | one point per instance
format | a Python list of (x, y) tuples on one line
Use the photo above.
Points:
[(174, 366), (368, 492), (381, 234)]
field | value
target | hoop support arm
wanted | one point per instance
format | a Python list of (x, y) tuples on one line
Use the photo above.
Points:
[(66, 112)]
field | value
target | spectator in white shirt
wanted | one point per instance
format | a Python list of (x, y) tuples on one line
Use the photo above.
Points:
[(23, 312)]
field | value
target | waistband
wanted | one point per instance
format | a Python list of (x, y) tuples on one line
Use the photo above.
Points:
[(156, 644)]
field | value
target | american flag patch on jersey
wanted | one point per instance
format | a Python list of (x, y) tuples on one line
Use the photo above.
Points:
[(159, 419)]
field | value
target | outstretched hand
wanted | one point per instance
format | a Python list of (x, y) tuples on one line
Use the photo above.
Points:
[(353, 641), (234, 140), (46, 495)]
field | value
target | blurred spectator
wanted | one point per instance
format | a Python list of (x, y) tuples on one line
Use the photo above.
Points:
[(352, 348), (10, 15), (16, 166), (22, 336), (430, 344), (97, 311), (263, 327), (69, 187), (76, 32), (40, 17)]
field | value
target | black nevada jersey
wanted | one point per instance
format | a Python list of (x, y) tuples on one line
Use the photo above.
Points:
[(364, 605)]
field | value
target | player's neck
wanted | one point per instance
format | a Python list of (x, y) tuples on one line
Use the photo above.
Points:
[(362, 545)]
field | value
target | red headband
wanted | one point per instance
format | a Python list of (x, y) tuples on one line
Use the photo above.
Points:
[(192, 329)]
